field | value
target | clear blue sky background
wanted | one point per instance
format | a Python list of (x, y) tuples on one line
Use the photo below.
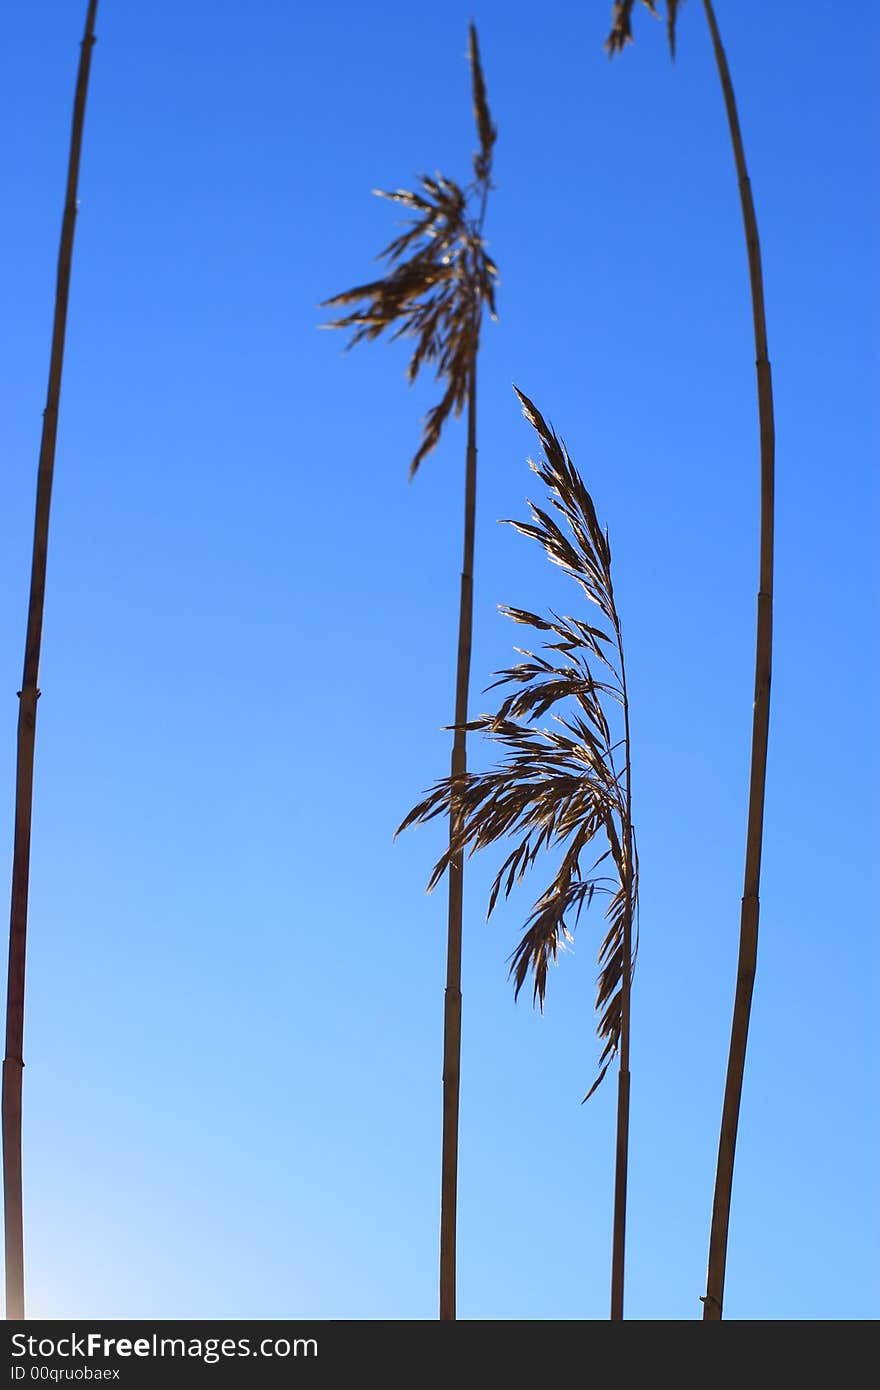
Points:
[(233, 1028)]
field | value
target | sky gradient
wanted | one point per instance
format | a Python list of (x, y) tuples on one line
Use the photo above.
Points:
[(234, 997)]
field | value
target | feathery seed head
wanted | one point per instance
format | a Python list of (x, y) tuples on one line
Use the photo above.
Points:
[(621, 24), (564, 787), (439, 280)]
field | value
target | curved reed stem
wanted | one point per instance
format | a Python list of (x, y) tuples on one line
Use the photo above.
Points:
[(13, 1063), (713, 1300)]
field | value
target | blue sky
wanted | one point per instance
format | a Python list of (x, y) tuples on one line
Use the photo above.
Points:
[(233, 1022)]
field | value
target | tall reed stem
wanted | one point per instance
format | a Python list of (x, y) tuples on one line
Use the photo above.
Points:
[(618, 1255), (748, 942), (452, 1002), (27, 721)]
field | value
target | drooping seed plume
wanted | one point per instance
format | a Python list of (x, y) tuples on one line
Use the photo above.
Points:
[(565, 787), (621, 24), (440, 279)]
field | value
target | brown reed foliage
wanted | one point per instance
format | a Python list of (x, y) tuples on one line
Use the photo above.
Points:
[(441, 276), (621, 24), (566, 787)]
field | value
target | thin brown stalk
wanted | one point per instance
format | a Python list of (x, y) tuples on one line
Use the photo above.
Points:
[(437, 296), (621, 1159), (713, 1300), (13, 1063), (452, 1001)]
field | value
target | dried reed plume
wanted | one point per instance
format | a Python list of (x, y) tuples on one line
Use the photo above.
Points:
[(442, 276), (564, 788), (621, 24)]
